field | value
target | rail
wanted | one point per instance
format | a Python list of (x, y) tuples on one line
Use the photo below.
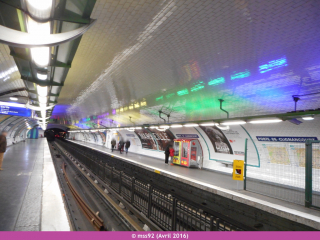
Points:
[(95, 220)]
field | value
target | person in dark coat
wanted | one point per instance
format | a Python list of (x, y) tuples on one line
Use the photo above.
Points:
[(113, 144), (3, 147), (167, 153), (120, 146), (128, 144)]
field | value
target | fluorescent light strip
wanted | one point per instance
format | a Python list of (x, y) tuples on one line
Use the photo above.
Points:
[(234, 123), (191, 125), (164, 126), (176, 126), (42, 91), (265, 121), (42, 76), (13, 98), (308, 118), (208, 124)]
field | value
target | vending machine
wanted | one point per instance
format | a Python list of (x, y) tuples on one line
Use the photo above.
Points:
[(187, 152)]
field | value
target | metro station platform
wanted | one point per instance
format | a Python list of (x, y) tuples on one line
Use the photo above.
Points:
[(30, 197), (220, 184)]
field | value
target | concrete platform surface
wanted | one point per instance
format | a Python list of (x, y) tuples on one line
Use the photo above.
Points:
[(30, 197)]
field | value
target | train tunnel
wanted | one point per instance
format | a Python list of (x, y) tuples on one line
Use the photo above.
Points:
[(160, 116)]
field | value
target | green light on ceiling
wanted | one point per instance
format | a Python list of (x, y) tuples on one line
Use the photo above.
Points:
[(159, 98), (217, 81), (183, 92), (240, 75), (197, 87), (170, 95)]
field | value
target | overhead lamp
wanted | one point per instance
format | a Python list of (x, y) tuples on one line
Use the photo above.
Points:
[(42, 91), (191, 125), (164, 126), (42, 99), (40, 55), (234, 123), (265, 121), (153, 127), (311, 117), (13, 98), (43, 105), (40, 8), (209, 124), (42, 76), (138, 127), (176, 126)]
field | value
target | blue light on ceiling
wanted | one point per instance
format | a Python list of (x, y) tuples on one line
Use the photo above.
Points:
[(274, 64)]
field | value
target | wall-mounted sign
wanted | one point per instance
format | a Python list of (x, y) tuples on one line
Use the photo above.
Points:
[(187, 135), (285, 139), (15, 111), (131, 135)]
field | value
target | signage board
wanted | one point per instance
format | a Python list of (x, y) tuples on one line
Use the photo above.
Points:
[(187, 135), (285, 139), (15, 111)]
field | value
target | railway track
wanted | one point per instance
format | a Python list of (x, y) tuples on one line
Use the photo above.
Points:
[(160, 208), (93, 217), (89, 208)]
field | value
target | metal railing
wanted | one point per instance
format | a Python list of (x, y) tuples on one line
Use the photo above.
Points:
[(169, 212)]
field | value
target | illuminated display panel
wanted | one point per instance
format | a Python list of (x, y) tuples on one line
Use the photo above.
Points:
[(15, 111)]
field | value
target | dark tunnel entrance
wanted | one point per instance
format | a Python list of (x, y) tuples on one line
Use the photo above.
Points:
[(53, 133)]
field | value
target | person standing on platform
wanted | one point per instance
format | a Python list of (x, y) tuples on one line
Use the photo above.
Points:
[(127, 146), (3, 147), (171, 150), (167, 153), (120, 146), (113, 144)]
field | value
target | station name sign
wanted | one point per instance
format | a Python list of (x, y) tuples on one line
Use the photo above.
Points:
[(15, 111), (187, 136), (285, 139)]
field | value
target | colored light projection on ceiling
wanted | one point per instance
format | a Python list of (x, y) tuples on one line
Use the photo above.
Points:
[(183, 92), (217, 81), (198, 86), (274, 64), (239, 75)]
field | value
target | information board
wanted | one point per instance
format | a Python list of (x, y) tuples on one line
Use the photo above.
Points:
[(15, 111)]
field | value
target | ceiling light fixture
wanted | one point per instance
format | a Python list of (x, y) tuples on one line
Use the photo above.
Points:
[(13, 98), (234, 123), (42, 91), (308, 118), (40, 55), (209, 124), (40, 8), (42, 99), (42, 76), (191, 125), (176, 126), (164, 126), (265, 121)]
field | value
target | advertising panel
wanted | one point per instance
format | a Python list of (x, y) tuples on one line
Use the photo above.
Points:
[(146, 139), (218, 140), (155, 139), (163, 138)]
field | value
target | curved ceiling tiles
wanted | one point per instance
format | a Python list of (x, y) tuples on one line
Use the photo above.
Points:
[(180, 57)]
